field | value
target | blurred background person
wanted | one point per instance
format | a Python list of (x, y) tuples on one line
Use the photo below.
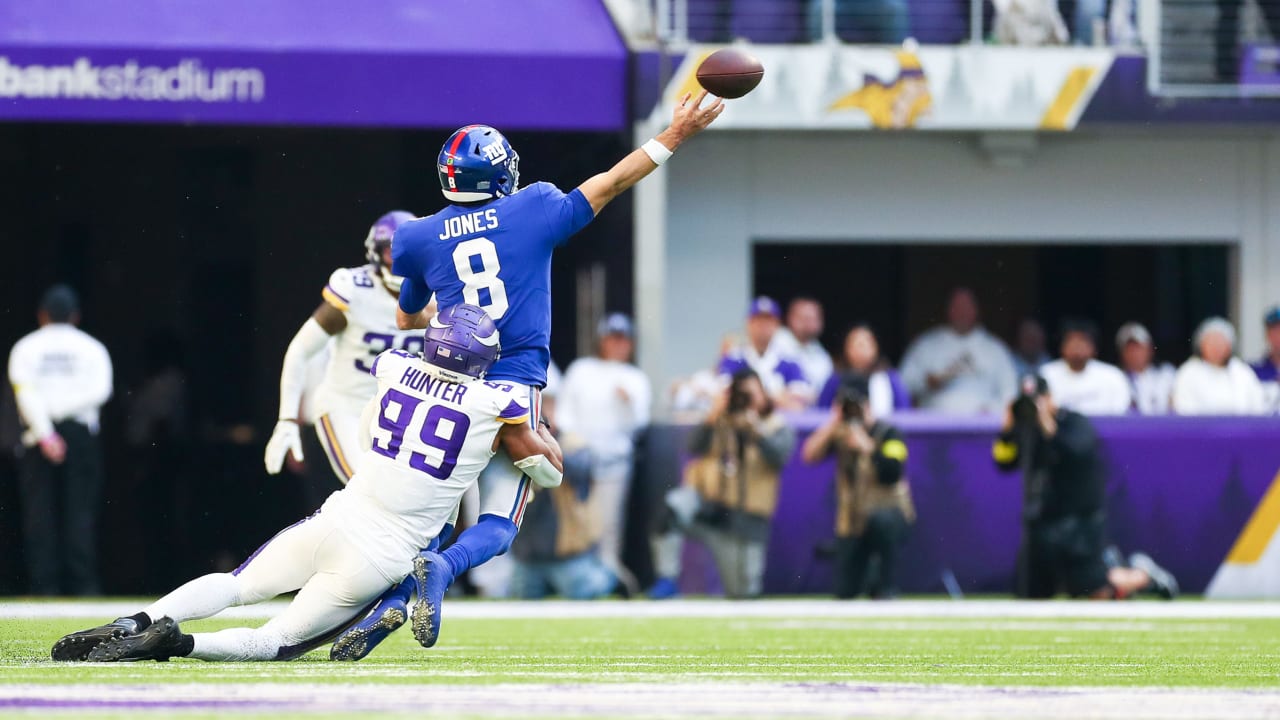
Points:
[(800, 339), (874, 511), (959, 367), (1268, 366), (1150, 384), (61, 376), (861, 359), (782, 376), (863, 21), (1214, 381), (692, 397), (1029, 353), (555, 552), (1064, 507), (730, 490), (603, 402), (1081, 382)]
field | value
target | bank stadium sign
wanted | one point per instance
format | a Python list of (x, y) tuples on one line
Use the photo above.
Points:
[(909, 88), (188, 80)]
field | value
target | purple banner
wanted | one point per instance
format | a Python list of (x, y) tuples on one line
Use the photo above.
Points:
[(1180, 489), (537, 65)]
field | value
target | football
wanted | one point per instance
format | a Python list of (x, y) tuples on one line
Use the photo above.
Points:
[(730, 73)]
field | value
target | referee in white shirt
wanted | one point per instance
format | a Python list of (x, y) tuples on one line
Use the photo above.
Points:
[(60, 377)]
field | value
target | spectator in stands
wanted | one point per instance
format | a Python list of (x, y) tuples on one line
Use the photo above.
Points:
[(556, 553), (960, 367), (1150, 385), (603, 402), (873, 499), (1029, 23), (1268, 367), (799, 340), (1064, 505), (1214, 381), (886, 390), (1029, 353), (730, 490), (693, 396), (782, 376), (1082, 383), (863, 21)]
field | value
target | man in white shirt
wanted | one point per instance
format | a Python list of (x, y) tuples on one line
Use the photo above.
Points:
[(799, 340), (61, 377), (959, 367), (603, 402), (1150, 385), (1214, 381), (1081, 383)]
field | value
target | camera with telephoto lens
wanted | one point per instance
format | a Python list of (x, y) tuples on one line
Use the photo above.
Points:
[(1024, 406), (853, 396)]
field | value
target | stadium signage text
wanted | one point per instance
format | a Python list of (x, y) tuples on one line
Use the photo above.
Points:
[(187, 81)]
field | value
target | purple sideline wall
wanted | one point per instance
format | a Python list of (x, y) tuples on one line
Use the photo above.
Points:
[(1180, 489)]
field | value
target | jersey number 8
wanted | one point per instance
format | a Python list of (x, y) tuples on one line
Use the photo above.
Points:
[(476, 261), (442, 430)]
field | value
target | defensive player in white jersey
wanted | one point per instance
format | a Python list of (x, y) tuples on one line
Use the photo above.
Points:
[(358, 313), (433, 424)]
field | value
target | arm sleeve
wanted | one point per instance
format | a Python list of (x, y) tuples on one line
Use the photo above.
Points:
[(30, 405), (339, 290), (565, 214), (891, 457), (414, 291), (414, 295), (641, 402), (777, 443), (309, 340), (1184, 400)]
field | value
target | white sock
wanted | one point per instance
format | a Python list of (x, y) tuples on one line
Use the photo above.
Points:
[(201, 598), (236, 645)]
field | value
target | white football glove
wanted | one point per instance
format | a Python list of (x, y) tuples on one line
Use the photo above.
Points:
[(284, 439)]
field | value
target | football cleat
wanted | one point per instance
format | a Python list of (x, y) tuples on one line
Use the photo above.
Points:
[(1163, 583), (77, 646), (432, 576), (159, 642), (357, 642)]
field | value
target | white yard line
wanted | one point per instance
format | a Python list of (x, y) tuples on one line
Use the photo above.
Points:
[(679, 700), (783, 610)]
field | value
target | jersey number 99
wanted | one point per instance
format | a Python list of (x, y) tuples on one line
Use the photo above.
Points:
[(442, 430), (476, 261)]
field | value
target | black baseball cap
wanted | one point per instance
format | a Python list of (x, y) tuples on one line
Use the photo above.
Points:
[(1272, 317)]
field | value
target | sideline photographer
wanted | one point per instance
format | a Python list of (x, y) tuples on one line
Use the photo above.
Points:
[(873, 500), (1064, 514), (730, 490)]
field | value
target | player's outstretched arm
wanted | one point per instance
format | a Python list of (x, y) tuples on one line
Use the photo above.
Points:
[(532, 455), (689, 119), (310, 339)]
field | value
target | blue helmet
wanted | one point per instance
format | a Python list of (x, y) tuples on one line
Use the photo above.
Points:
[(477, 163), (461, 343), (379, 239)]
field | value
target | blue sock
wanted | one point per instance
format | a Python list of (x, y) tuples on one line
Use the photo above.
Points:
[(487, 539)]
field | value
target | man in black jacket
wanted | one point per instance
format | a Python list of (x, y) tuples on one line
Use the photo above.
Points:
[(1064, 505)]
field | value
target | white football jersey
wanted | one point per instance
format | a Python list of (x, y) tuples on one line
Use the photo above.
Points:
[(431, 439), (371, 330)]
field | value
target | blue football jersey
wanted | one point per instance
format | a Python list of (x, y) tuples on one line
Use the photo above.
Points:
[(496, 255)]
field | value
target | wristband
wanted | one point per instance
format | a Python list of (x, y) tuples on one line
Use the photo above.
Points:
[(656, 151)]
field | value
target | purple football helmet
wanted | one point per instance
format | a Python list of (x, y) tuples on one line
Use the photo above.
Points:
[(461, 343), (379, 239)]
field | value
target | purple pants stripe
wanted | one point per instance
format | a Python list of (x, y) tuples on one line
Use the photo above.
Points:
[(264, 545)]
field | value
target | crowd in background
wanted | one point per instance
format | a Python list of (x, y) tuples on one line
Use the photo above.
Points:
[(961, 368), (573, 539)]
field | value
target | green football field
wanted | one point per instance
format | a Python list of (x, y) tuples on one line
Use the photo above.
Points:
[(705, 659)]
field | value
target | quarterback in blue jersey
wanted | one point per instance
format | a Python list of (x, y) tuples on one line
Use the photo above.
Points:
[(492, 247)]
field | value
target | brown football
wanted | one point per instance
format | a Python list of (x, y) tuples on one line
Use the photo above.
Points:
[(730, 73)]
